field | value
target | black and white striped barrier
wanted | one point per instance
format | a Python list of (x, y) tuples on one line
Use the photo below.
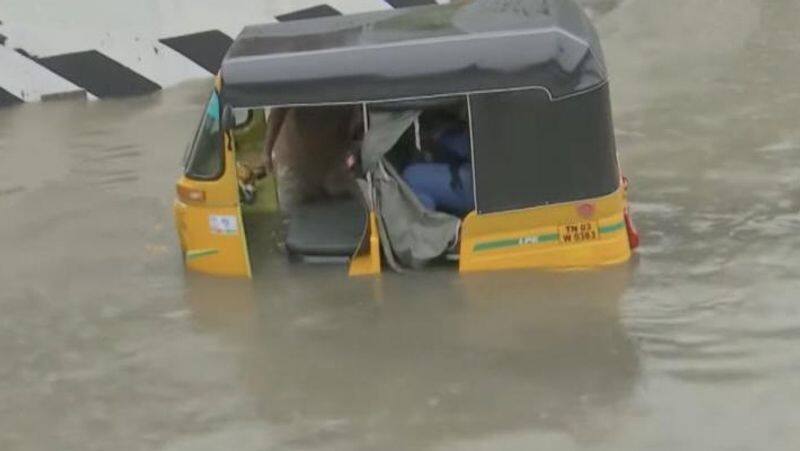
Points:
[(135, 59), (100, 49)]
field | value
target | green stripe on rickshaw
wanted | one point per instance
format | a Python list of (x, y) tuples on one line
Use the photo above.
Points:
[(539, 239), (514, 242), (193, 255), (613, 227)]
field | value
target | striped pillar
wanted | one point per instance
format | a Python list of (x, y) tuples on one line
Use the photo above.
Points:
[(95, 48)]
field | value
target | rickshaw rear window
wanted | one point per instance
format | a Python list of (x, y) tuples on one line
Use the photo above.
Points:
[(205, 158), (531, 151)]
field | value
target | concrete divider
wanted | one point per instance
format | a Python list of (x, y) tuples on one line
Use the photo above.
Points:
[(99, 48), (50, 49)]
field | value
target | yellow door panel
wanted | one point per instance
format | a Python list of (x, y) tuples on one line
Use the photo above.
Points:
[(212, 239)]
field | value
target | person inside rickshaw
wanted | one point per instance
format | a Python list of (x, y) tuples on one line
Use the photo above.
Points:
[(307, 149), (443, 180), (314, 153)]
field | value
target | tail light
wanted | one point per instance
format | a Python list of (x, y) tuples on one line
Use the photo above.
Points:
[(191, 195), (633, 234)]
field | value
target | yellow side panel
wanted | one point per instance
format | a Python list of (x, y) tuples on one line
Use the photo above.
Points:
[(212, 232), (534, 238), (209, 248)]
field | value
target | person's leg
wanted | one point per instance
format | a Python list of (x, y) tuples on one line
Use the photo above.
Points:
[(339, 182), (294, 189)]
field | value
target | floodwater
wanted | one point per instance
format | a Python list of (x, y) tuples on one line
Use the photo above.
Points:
[(695, 345)]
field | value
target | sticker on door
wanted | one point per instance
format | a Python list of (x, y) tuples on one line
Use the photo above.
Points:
[(223, 224)]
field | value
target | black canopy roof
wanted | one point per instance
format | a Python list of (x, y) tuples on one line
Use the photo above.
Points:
[(424, 51)]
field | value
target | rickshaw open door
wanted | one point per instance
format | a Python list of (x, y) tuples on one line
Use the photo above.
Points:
[(208, 210)]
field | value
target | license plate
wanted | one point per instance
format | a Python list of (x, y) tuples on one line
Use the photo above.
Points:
[(578, 233)]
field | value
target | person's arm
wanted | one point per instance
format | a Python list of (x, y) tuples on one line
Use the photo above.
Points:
[(356, 133), (275, 122), (356, 127)]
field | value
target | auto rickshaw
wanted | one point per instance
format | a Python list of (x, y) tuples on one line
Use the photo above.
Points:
[(527, 81)]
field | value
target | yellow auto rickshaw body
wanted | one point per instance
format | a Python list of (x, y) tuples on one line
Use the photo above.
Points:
[(581, 234), (550, 79)]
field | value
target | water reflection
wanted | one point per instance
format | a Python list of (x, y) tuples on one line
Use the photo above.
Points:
[(424, 359)]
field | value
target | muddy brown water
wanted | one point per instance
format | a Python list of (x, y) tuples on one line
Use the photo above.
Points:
[(107, 344)]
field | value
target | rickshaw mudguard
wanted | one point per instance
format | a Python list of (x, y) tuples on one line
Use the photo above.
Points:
[(211, 231), (583, 234), (367, 259)]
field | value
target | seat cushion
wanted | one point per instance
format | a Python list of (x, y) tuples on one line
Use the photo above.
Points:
[(332, 228)]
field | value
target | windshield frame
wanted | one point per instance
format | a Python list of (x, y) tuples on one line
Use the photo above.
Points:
[(212, 106)]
